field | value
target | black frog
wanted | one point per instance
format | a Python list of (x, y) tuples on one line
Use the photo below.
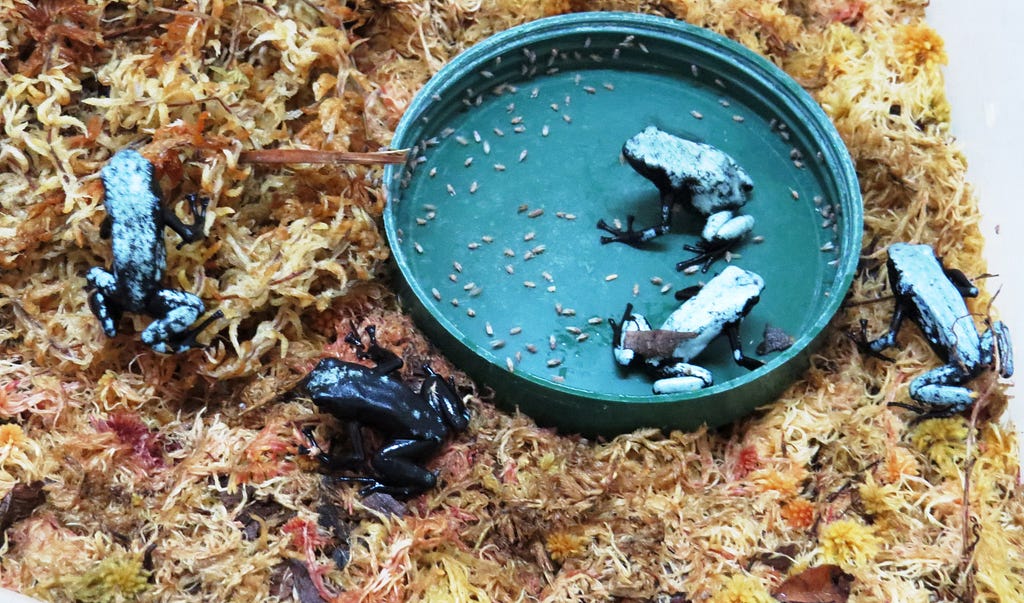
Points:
[(413, 425), (135, 225)]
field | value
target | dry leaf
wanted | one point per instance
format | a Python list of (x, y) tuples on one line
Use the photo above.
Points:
[(821, 584)]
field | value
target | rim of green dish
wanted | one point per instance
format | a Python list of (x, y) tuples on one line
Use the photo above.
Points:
[(758, 72)]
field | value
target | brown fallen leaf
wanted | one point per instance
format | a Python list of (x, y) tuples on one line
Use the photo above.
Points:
[(19, 503), (821, 584), (656, 342)]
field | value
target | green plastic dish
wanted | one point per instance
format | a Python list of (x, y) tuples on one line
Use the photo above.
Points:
[(515, 156)]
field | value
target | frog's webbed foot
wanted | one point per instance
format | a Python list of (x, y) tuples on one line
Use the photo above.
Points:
[(189, 233), (629, 235), (706, 254)]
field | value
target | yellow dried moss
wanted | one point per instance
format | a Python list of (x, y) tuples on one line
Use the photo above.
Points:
[(742, 589), (116, 578), (192, 457)]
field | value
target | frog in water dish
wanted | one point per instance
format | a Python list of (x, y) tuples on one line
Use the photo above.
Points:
[(717, 308), (695, 175)]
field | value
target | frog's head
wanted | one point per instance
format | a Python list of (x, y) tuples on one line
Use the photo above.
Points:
[(741, 184), (127, 177)]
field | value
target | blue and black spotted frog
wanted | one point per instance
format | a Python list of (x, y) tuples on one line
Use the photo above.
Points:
[(707, 312), (697, 176), (933, 296), (135, 224)]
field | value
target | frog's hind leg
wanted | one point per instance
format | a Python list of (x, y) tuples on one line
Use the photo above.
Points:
[(997, 350), (681, 377), (399, 473), (102, 298), (940, 392), (721, 233), (175, 312)]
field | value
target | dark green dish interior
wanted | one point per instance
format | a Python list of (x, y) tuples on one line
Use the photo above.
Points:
[(515, 152)]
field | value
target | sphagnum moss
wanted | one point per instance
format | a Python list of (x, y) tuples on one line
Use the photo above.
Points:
[(296, 255)]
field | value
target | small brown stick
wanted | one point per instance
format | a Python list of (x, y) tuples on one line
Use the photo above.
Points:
[(289, 156)]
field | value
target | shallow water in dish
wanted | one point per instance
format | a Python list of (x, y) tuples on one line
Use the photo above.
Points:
[(538, 166)]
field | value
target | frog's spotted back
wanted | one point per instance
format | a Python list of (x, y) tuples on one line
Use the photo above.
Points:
[(128, 179), (715, 180)]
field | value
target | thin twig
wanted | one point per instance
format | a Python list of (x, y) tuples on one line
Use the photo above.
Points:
[(969, 540)]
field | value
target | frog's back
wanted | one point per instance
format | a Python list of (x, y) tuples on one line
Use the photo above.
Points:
[(136, 226), (941, 311), (353, 392), (725, 299)]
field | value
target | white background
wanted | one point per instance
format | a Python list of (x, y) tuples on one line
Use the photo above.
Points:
[(985, 86)]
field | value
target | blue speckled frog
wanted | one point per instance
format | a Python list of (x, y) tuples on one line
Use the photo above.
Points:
[(933, 296), (695, 175), (708, 312), (412, 425), (135, 224)]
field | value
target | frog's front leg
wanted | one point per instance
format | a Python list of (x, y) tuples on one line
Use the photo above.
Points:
[(682, 377), (875, 346), (630, 322), (732, 331), (175, 311), (189, 233), (103, 299), (333, 461), (400, 473), (386, 360), (630, 236)]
